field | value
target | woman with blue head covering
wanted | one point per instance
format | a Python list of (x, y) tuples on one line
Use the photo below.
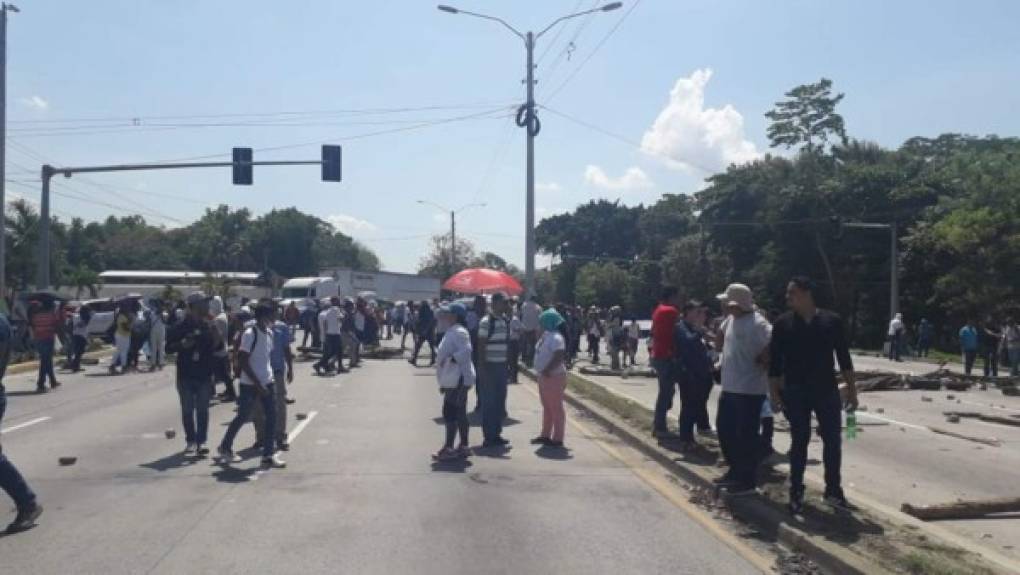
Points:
[(552, 379)]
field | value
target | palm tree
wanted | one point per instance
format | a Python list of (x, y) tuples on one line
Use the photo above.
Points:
[(218, 285), (81, 279)]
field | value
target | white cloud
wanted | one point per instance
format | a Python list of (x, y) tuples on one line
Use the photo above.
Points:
[(350, 225), (551, 187), (633, 179), (36, 102), (688, 135)]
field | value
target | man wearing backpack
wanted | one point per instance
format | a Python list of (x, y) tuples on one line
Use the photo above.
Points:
[(493, 338), (11, 480), (256, 386)]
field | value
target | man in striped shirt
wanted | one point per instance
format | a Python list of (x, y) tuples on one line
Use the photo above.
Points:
[(493, 339)]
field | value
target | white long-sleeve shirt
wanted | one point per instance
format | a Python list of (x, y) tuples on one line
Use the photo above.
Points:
[(456, 346)]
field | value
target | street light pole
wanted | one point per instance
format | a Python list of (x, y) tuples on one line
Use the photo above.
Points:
[(894, 264), (4, 9), (527, 118), (453, 225)]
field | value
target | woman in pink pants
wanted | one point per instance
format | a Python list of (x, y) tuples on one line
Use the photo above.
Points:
[(552, 379)]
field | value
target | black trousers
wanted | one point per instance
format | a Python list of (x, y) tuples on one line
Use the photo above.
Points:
[(455, 415), (78, 345), (694, 406), (737, 425), (425, 338), (824, 401)]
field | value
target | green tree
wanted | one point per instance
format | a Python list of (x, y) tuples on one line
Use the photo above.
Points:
[(603, 285), (807, 117)]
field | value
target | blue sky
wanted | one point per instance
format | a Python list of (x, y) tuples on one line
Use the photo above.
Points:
[(681, 85)]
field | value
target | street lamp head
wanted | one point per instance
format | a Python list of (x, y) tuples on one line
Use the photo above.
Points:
[(611, 6), (11, 8), (449, 9)]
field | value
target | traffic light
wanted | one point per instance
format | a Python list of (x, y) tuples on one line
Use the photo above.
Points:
[(332, 163), (242, 167)]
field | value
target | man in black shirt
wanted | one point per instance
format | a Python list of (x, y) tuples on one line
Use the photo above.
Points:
[(803, 381), (195, 340)]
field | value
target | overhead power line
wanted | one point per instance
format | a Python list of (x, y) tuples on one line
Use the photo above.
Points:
[(594, 51)]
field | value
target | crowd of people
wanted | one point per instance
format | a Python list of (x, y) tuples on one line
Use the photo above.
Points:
[(996, 342)]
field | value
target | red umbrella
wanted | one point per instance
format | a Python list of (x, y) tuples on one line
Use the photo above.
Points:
[(481, 281)]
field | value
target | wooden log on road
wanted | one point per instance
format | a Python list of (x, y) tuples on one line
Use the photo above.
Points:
[(962, 509), (999, 419), (982, 440)]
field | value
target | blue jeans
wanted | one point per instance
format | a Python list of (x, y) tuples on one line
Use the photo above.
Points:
[(738, 424), (245, 406), (667, 388), (332, 348), (493, 399), (44, 348), (195, 394), (11, 480)]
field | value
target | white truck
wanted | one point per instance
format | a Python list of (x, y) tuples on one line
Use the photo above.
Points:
[(384, 286), (304, 292)]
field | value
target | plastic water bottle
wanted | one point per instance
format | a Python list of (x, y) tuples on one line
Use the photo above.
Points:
[(851, 424)]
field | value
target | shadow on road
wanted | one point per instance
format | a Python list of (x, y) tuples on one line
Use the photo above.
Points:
[(452, 466), (475, 419), (234, 475), (554, 453), (24, 393), (174, 461)]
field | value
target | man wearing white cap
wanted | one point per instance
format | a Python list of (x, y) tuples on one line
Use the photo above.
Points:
[(744, 337)]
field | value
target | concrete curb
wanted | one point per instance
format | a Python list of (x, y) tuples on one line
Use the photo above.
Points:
[(30, 366), (641, 440), (831, 557)]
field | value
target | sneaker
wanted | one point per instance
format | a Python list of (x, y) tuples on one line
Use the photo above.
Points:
[(190, 449), (464, 451), (707, 433), (554, 444), (291, 400), (741, 489), (227, 456), (318, 370), (540, 440), (41, 389), (203, 449), (501, 441), (54, 384), (838, 502), (257, 445), (25, 519), (273, 462), (283, 445), (445, 454)]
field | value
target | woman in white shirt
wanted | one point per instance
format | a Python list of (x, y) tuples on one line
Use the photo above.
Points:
[(456, 375), (552, 379)]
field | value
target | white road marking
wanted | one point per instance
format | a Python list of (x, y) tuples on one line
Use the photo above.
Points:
[(24, 425), (893, 421), (301, 426), (290, 439)]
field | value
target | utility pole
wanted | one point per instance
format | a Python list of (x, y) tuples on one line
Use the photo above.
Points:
[(894, 264), (532, 125), (453, 226), (4, 9), (528, 118)]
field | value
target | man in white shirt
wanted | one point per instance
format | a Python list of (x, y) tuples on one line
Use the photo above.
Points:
[(529, 336), (332, 345), (744, 338), (896, 331), (256, 386)]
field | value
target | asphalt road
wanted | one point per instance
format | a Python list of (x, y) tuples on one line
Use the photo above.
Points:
[(897, 458), (360, 494)]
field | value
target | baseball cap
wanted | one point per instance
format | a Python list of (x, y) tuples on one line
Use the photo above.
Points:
[(196, 297)]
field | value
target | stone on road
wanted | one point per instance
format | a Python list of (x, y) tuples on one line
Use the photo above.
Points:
[(360, 494)]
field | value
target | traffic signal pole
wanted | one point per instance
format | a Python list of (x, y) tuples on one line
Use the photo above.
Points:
[(329, 162)]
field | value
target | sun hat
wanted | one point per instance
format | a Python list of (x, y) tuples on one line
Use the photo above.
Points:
[(737, 295)]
